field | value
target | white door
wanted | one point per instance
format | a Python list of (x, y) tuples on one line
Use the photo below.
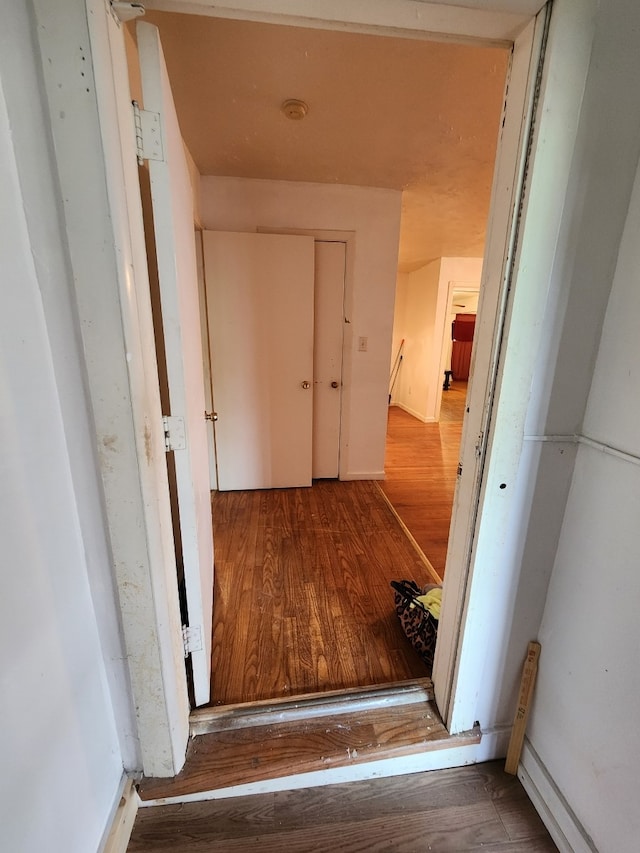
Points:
[(327, 357), (177, 272), (260, 307)]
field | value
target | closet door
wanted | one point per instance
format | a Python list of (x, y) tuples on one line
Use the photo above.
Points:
[(327, 357), (260, 291)]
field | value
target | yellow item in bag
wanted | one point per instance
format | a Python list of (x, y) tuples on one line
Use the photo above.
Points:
[(431, 601)]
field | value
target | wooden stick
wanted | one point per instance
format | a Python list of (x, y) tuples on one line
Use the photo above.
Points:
[(524, 703)]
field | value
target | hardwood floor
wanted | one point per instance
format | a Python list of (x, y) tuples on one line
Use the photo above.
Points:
[(453, 403), (302, 602), (461, 809), (420, 467)]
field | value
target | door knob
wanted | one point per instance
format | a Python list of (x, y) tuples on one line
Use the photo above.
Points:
[(211, 416), (306, 384), (335, 384)]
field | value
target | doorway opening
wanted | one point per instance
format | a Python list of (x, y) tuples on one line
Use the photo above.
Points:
[(359, 336), (427, 403)]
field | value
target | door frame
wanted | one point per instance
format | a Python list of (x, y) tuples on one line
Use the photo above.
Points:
[(453, 286), (206, 361), (457, 699), (527, 243), (349, 239), (101, 213)]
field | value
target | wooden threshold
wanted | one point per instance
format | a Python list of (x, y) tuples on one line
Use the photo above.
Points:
[(309, 706), (247, 756)]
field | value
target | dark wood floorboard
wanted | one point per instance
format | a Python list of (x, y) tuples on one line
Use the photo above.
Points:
[(420, 472), (447, 811), (302, 602)]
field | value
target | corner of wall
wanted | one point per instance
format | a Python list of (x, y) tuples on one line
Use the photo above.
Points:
[(195, 181)]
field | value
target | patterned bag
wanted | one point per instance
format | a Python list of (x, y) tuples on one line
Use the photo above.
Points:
[(419, 625)]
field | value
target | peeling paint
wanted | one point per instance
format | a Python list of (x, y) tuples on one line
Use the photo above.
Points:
[(148, 447)]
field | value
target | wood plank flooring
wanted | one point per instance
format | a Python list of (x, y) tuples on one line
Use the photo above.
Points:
[(420, 468), (453, 403), (302, 602), (447, 811)]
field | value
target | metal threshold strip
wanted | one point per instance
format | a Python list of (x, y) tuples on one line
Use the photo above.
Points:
[(309, 706)]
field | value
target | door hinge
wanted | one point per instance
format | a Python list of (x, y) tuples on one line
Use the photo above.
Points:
[(479, 445), (148, 134), (459, 471), (174, 435), (192, 639), (124, 11)]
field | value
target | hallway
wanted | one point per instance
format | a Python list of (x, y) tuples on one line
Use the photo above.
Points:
[(420, 467)]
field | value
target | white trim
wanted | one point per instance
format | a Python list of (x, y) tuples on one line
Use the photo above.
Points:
[(553, 439), (587, 441), (413, 413), (493, 745), (363, 475), (608, 449), (120, 826), (478, 674), (510, 162), (483, 383), (446, 19), (163, 729), (564, 827)]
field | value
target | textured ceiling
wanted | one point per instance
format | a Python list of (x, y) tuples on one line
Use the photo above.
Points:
[(416, 116)]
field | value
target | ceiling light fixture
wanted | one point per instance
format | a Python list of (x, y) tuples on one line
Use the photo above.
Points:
[(295, 109)]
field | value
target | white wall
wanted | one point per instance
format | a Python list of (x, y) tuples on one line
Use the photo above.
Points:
[(61, 756), (422, 319), (397, 337), (236, 204), (589, 633), (575, 509), (418, 298)]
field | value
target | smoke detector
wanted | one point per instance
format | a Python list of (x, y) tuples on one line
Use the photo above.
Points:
[(295, 109)]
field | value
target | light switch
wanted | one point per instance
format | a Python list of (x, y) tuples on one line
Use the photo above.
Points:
[(363, 344)]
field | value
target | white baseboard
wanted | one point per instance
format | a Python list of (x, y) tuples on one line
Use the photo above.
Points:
[(118, 832), (493, 745), (415, 414), (557, 815), (363, 475)]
